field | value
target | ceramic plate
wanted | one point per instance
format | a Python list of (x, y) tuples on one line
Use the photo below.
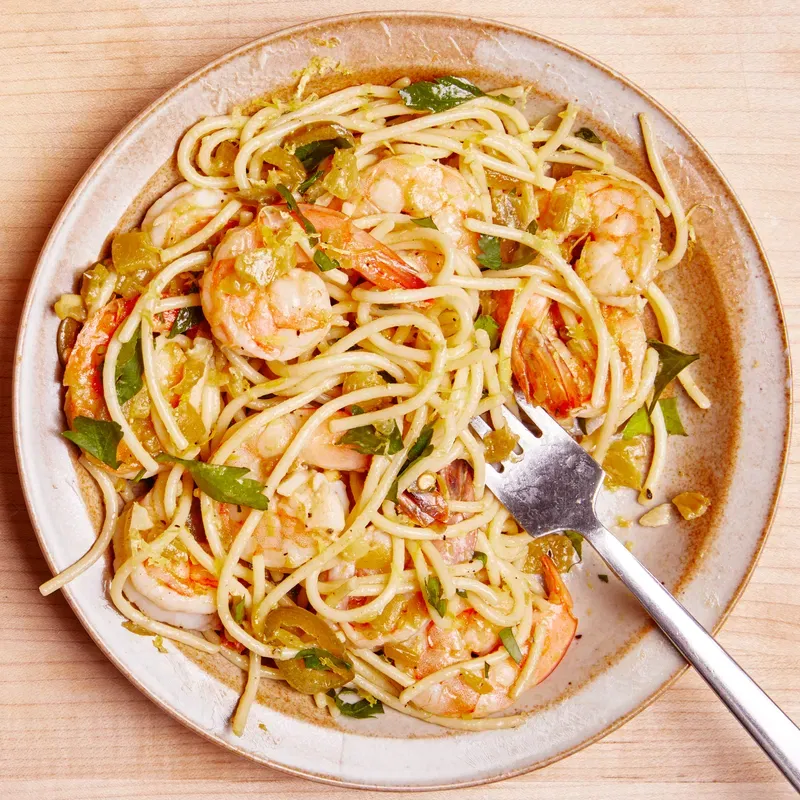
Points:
[(729, 310)]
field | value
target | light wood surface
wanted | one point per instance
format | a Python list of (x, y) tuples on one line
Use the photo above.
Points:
[(72, 73)]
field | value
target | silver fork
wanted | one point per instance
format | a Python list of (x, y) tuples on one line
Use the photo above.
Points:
[(553, 487)]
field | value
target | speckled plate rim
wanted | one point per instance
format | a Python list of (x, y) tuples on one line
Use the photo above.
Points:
[(308, 27)]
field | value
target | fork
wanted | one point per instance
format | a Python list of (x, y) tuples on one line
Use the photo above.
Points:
[(553, 487)]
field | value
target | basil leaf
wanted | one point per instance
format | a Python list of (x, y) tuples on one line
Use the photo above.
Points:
[(603, 578), (369, 441), (672, 419), (671, 363), (510, 644), (417, 450), (479, 556), (311, 155), (577, 542), (489, 324), (238, 610), (221, 483), (421, 448), (588, 135), (433, 591), (363, 709), (425, 222), (97, 437), (187, 318), (294, 208), (324, 261), (310, 181), (319, 659), (129, 369), (489, 256), (440, 94), (639, 423)]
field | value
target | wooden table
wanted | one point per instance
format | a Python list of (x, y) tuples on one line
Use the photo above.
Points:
[(72, 73)]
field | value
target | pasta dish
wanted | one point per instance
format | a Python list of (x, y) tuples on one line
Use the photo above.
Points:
[(271, 381)]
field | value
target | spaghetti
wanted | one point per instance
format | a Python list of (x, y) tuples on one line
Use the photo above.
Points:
[(272, 382)]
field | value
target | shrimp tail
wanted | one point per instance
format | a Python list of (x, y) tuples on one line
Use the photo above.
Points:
[(372, 259), (543, 375), (560, 624), (554, 585)]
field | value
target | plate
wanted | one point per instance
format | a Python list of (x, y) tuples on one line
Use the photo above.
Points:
[(724, 295)]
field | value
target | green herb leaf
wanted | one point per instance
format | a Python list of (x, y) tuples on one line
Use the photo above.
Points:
[(324, 261), (603, 578), (97, 437), (317, 658), (310, 181), (311, 155), (128, 374), (294, 208), (639, 424), (671, 363), (369, 441), (577, 543), (433, 591), (440, 94), (510, 644), (588, 135), (221, 483), (672, 418), (187, 318), (504, 98), (420, 449), (425, 222), (461, 592), (489, 324), (363, 709), (479, 556), (238, 610), (489, 255), (485, 669), (356, 410)]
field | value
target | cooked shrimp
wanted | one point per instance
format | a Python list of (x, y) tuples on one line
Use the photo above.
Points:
[(311, 503), (83, 375), (472, 636), (170, 588), (181, 212), (279, 314), (359, 251), (554, 364), (616, 223), (428, 506), (419, 187)]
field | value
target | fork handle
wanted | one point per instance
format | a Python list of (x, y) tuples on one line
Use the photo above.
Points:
[(765, 722)]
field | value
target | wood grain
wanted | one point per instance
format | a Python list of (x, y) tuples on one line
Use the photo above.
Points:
[(73, 73)]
